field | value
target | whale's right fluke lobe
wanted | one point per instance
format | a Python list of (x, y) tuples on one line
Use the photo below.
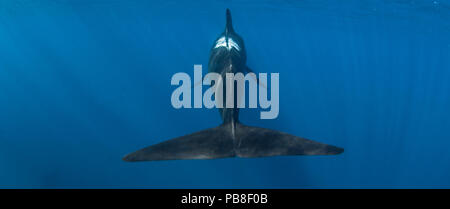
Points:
[(261, 142)]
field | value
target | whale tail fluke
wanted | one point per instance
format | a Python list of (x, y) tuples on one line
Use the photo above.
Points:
[(262, 142), (219, 142), (207, 144)]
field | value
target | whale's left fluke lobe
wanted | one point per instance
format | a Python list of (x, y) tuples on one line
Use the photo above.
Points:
[(207, 144)]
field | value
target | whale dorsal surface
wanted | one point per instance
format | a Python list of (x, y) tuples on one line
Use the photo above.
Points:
[(231, 138)]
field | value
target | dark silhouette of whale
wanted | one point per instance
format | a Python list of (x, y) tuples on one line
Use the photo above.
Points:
[(232, 138)]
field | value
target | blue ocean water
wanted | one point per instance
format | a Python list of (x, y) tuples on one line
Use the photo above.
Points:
[(82, 83)]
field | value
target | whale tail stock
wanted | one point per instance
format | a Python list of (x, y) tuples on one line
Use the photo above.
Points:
[(219, 142)]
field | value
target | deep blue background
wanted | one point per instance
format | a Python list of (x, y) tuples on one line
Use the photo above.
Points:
[(82, 83)]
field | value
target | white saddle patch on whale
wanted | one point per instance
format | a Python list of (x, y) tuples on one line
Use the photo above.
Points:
[(231, 44)]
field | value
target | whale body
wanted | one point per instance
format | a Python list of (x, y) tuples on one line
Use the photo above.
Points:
[(231, 138)]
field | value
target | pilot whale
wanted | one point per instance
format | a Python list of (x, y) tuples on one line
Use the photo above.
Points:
[(231, 138)]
